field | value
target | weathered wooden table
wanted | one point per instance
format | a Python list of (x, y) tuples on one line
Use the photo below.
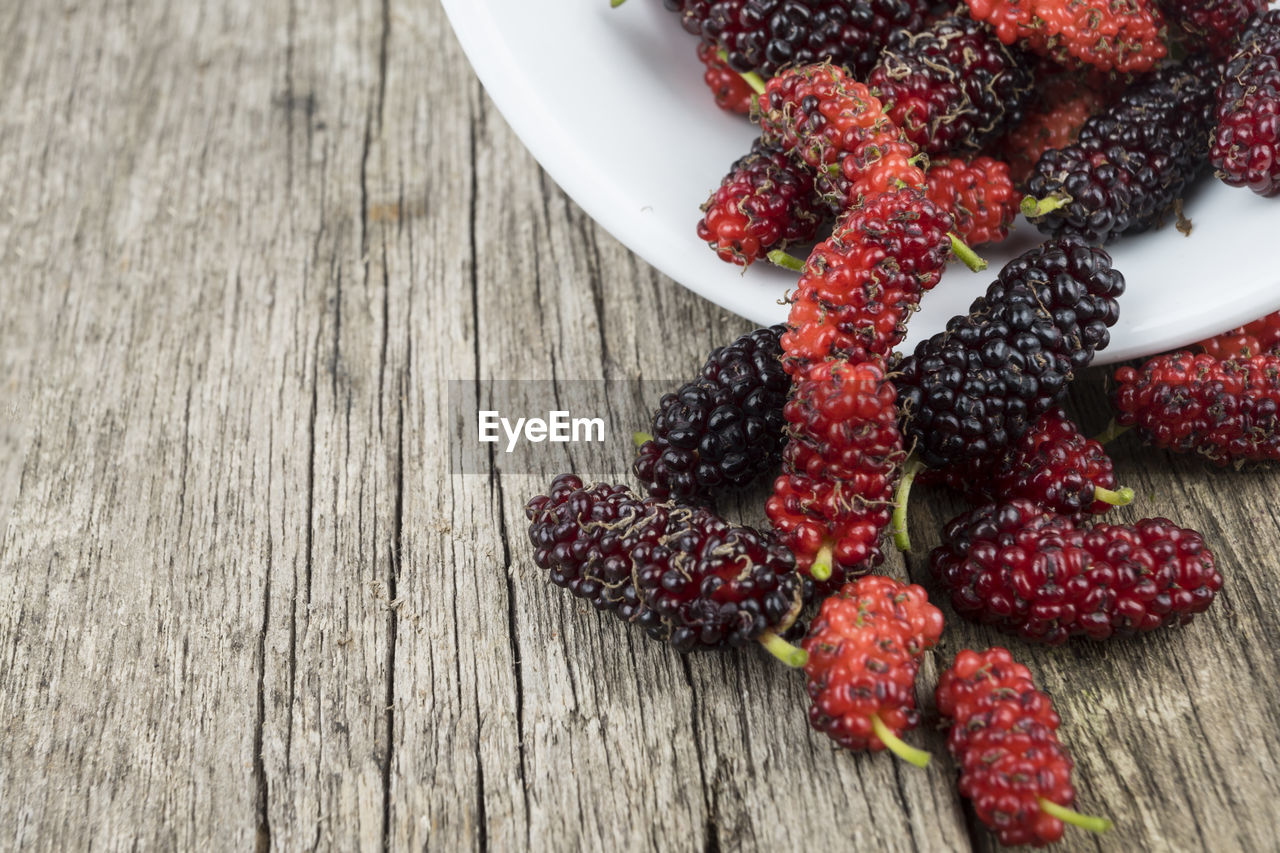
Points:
[(243, 600)]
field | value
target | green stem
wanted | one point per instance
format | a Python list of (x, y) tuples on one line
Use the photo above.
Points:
[(1033, 207), (971, 259), (821, 568), (1111, 433), (639, 438), (1120, 497), (901, 536), (897, 745), (786, 260), (1073, 817), (613, 4), (792, 656)]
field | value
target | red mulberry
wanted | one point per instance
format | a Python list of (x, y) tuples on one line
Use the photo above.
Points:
[(1246, 144), (1004, 737), (864, 649), (1227, 411), (1039, 575)]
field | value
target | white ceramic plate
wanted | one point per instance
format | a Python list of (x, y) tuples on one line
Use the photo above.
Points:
[(611, 103)]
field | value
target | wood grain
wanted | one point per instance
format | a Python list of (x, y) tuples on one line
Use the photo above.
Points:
[(244, 603)]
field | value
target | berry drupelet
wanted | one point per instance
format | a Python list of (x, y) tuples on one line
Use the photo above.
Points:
[(1211, 25), (1053, 465), (952, 87), (683, 574), (1045, 578), (864, 649), (766, 202), (723, 429), (1261, 337), (840, 467), (979, 195), (1004, 736), (1131, 162), (732, 93), (1245, 146), (766, 35), (1110, 35), (968, 393), (1227, 411)]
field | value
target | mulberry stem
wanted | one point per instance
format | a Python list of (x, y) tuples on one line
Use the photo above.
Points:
[(820, 570), (1111, 433), (787, 261), (792, 656), (904, 750), (1033, 207), (968, 256), (641, 438), (901, 536), (1073, 817), (1120, 497)]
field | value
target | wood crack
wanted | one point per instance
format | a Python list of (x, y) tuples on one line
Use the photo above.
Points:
[(711, 841)]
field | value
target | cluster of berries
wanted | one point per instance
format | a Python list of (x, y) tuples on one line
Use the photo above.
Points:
[(850, 97), (1073, 101)]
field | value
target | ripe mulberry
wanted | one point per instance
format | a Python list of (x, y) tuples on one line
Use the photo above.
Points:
[(835, 125), (1053, 465), (952, 87), (860, 285), (1054, 124), (681, 573), (1227, 411), (1131, 163), (1004, 737), (864, 649), (1041, 576), (968, 393), (1246, 144), (766, 35), (722, 430)]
